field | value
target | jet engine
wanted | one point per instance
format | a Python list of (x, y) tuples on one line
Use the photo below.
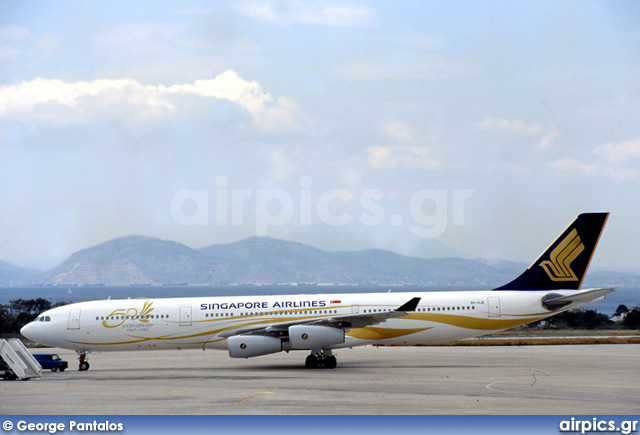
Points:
[(246, 346), (554, 301), (314, 336)]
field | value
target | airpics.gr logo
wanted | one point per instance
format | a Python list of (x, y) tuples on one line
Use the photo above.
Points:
[(123, 314), (558, 267)]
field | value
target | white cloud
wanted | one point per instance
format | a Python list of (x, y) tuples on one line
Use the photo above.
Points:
[(397, 131), (505, 125), (268, 113), (323, 13), (546, 136), (614, 161), (547, 140), (627, 151), (381, 157), (12, 33), (596, 171), (571, 167), (43, 98), (14, 42)]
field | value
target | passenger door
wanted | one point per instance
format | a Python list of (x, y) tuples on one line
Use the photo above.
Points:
[(185, 315), (494, 306), (74, 319)]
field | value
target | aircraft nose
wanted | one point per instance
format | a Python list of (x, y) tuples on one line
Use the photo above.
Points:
[(30, 331)]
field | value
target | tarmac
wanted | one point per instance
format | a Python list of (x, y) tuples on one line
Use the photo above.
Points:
[(494, 380)]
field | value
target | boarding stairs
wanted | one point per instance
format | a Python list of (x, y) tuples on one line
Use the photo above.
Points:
[(19, 359)]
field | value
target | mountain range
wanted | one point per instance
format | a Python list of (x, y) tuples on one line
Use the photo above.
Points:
[(141, 260)]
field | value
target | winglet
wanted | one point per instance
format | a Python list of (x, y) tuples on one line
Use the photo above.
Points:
[(564, 264), (409, 306)]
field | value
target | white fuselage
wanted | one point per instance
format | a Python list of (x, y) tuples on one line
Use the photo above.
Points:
[(206, 322)]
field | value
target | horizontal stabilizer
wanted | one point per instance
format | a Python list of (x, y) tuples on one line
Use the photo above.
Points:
[(554, 301)]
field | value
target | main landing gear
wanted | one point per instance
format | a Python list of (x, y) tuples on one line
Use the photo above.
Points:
[(83, 360), (321, 358)]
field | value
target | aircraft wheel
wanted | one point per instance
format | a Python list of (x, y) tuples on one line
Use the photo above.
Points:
[(330, 362), (84, 366), (311, 362)]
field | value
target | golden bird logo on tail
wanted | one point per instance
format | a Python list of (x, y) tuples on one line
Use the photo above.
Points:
[(558, 267)]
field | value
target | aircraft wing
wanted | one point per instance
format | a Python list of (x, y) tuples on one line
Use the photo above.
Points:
[(345, 321)]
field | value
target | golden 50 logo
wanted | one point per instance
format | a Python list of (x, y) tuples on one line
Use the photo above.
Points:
[(118, 317)]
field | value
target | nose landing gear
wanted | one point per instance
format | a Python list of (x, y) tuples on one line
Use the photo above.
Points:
[(83, 360)]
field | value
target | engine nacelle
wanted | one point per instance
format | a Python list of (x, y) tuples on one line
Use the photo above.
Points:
[(246, 346), (314, 336), (550, 302)]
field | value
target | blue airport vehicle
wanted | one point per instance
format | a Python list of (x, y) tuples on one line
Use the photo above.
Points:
[(51, 361)]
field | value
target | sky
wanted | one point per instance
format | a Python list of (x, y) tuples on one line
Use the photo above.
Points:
[(430, 129)]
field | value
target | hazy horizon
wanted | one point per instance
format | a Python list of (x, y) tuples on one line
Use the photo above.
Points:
[(488, 261)]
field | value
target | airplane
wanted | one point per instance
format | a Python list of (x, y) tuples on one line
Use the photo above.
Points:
[(250, 326)]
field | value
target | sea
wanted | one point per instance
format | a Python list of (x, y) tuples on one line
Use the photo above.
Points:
[(624, 295)]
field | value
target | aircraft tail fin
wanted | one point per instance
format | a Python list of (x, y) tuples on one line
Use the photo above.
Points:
[(564, 264)]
